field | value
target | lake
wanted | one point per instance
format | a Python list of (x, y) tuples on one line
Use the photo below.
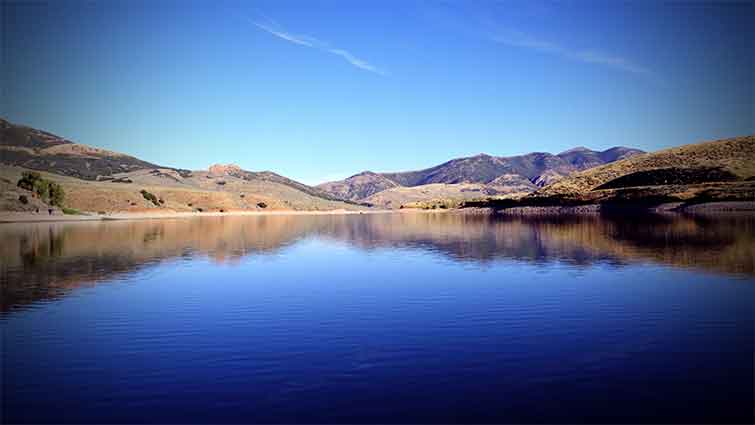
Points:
[(406, 317)]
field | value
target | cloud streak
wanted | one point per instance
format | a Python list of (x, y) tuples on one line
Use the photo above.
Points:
[(519, 39), (311, 42)]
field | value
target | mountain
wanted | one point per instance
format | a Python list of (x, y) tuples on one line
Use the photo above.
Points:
[(527, 171), (480, 168), (358, 186), (100, 180)]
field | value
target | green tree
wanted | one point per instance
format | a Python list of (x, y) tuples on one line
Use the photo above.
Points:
[(150, 197), (48, 191), (57, 194), (28, 178)]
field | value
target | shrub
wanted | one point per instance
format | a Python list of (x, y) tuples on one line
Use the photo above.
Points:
[(48, 191), (28, 178), (161, 200), (23, 199), (190, 204), (150, 197), (70, 211), (57, 195), (261, 204)]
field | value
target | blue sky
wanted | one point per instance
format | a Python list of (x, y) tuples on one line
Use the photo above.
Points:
[(319, 90)]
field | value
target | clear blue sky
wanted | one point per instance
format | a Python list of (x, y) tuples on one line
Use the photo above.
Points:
[(319, 90)]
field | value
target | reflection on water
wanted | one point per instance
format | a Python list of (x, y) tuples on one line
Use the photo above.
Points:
[(410, 318), (42, 260)]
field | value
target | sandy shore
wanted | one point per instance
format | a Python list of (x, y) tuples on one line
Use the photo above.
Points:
[(23, 217), (711, 208)]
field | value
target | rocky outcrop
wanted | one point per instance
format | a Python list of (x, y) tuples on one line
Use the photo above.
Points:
[(224, 169)]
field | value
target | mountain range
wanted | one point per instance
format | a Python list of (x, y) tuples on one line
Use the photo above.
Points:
[(491, 174), (103, 181)]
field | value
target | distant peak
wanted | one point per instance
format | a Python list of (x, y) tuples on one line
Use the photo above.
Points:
[(364, 173), (576, 149), (482, 155), (621, 148)]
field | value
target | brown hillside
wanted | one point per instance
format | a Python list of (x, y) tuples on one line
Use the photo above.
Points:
[(735, 156)]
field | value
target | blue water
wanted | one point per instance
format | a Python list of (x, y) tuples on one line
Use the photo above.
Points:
[(378, 319)]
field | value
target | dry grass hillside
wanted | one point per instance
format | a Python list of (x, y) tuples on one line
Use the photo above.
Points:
[(199, 192), (709, 172), (736, 156), (445, 194), (98, 180)]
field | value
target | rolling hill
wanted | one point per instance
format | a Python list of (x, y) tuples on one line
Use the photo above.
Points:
[(712, 171), (359, 186), (104, 181), (692, 163), (34, 149)]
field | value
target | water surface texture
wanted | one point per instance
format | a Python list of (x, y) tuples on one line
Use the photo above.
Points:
[(379, 318)]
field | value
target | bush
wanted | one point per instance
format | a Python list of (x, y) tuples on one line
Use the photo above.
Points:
[(57, 195), (48, 191), (70, 211), (28, 178), (261, 204), (150, 197), (23, 199)]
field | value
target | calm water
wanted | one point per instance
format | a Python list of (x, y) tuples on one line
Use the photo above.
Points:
[(380, 318)]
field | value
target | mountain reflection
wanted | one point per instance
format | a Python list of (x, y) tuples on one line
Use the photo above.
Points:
[(45, 260)]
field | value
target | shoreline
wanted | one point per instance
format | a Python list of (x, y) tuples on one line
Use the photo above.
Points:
[(702, 209), (21, 217)]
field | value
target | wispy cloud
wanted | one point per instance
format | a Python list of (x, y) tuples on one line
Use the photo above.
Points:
[(273, 28), (519, 39), (296, 39), (359, 63)]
